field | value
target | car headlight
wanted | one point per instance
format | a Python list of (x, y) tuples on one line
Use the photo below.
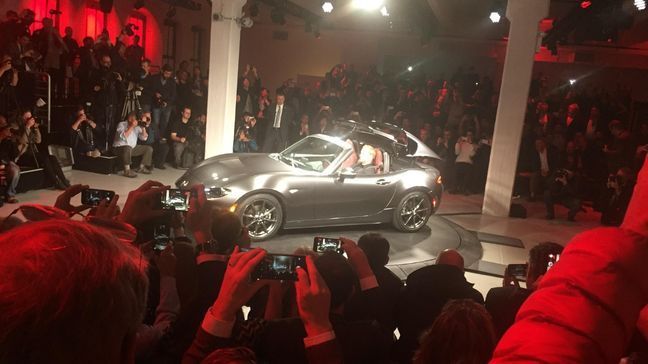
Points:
[(213, 193)]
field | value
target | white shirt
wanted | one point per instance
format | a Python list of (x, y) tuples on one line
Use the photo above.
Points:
[(277, 120), (544, 162), (121, 140), (465, 151)]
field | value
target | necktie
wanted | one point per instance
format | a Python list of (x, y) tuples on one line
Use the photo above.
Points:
[(277, 121)]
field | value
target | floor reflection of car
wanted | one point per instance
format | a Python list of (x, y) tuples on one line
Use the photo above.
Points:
[(362, 175)]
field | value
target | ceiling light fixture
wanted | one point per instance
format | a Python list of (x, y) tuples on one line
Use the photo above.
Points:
[(327, 7), (368, 4), (495, 16), (640, 4), (383, 11)]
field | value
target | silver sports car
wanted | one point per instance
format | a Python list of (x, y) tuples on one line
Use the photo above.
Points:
[(360, 174)]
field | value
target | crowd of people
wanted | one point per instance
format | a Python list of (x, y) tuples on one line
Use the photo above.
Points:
[(577, 148), (123, 109), (110, 288)]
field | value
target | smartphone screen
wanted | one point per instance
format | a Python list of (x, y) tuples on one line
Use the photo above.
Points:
[(161, 237), (518, 270), (92, 197), (321, 245), (174, 199), (552, 260), (279, 267)]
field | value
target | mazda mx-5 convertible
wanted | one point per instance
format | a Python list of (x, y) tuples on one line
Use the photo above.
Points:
[(360, 174)]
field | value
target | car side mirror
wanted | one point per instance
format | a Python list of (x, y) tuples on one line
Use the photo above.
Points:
[(345, 173)]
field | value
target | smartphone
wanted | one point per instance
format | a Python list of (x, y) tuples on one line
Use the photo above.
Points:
[(175, 199), (518, 271), (279, 267), (161, 237), (92, 197), (321, 245), (552, 259)]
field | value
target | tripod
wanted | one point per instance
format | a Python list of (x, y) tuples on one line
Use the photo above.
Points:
[(131, 103)]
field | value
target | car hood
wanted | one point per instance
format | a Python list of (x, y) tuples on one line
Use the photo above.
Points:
[(228, 167)]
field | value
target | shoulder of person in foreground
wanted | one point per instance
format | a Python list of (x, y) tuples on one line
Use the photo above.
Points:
[(588, 304)]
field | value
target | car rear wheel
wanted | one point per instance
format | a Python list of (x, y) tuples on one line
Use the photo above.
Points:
[(262, 216), (412, 212)]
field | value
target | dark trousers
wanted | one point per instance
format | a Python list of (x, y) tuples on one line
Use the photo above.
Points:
[(106, 125), (12, 175), (178, 152), (274, 141), (126, 152), (571, 202), (160, 152), (463, 175), (160, 120)]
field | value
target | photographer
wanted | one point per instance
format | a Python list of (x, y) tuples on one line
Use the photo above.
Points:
[(245, 141), (125, 145), (564, 190), (28, 137), (8, 83), (196, 138), (164, 92), (108, 91), (8, 156), (617, 198), (82, 136)]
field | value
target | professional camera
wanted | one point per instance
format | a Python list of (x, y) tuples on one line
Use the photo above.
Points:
[(561, 177), (129, 29)]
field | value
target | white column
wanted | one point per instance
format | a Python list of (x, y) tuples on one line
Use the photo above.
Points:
[(224, 44), (524, 16)]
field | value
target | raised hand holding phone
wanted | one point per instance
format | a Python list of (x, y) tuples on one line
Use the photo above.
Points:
[(313, 299)]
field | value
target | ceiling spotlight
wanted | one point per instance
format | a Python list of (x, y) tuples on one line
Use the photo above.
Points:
[(585, 4), (383, 11), (246, 22), (327, 7), (640, 4), (410, 68), (572, 82), (368, 4), (495, 17)]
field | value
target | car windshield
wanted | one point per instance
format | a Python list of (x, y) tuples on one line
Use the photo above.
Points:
[(311, 154)]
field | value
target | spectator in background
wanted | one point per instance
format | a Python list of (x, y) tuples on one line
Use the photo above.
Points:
[(87, 65), (563, 187), (145, 83), (196, 139), (463, 333), (82, 134), (134, 55), (465, 150), (160, 150), (107, 283), (617, 197), (68, 59), (179, 132), (504, 302), (304, 127), (164, 92), (280, 123), (125, 146), (8, 156), (245, 139), (108, 91), (51, 46), (544, 162), (8, 82)]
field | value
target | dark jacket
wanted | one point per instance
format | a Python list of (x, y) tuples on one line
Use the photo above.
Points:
[(168, 91), (503, 304), (426, 291), (288, 120)]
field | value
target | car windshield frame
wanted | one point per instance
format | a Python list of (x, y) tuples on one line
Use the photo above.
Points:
[(288, 156)]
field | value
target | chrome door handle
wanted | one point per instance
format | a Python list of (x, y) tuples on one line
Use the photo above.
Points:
[(382, 182)]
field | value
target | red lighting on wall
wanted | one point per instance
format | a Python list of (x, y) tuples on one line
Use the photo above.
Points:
[(95, 21)]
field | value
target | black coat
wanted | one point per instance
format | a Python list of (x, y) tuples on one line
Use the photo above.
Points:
[(503, 303), (288, 124)]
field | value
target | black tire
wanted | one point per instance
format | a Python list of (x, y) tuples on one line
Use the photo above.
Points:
[(412, 212), (262, 215)]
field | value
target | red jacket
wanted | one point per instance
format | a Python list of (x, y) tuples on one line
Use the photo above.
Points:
[(586, 307)]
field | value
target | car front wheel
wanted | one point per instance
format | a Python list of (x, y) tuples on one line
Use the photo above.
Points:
[(412, 212), (262, 216)]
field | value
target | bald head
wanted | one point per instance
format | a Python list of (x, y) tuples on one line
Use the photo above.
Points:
[(451, 257)]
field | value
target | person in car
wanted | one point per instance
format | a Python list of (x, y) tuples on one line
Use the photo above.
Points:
[(365, 164)]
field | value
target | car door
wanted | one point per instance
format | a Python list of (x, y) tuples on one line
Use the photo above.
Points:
[(351, 197)]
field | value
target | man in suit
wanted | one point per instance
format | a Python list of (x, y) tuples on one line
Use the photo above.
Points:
[(504, 302), (544, 161), (572, 121), (281, 122)]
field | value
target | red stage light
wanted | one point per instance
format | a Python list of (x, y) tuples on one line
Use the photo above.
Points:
[(585, 4)]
